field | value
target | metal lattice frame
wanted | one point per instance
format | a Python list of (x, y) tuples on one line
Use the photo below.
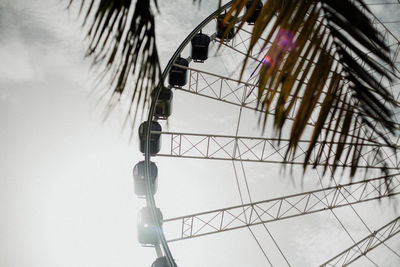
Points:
[(365, 245), (275, 209), (204, 146), (229, 90), (251, 149)]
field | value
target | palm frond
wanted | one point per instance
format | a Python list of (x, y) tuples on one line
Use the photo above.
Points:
[(122, 38), (326, 65), (322, 57)]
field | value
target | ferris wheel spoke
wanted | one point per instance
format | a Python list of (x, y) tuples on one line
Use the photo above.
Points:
[(252, 149), (221, 87), (365, 245), (229, 91), (275, 209), (382, 28), (358, 215)]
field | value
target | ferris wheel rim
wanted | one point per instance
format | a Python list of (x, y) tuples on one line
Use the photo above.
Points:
[(150, 201)]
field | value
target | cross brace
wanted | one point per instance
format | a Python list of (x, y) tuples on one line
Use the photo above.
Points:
[(253, 149), (275, 209), (365, 245)]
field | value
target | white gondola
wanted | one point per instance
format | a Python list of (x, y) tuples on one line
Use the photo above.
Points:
[(257, 9), (164, 104), (222, 28), (200, 43), (147, 228), (160, 262), (139, 181), (178, 75), (155, 138)]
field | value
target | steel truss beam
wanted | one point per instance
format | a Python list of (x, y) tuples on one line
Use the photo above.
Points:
[(230, 91), (275, 209), (218, 87), (365, 245), (252, 149), (224, 89), (234, 92)]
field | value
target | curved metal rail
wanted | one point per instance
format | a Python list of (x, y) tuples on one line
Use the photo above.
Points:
[(149, 196)]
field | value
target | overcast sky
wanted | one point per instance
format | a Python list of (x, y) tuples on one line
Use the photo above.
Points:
[(66, 190)]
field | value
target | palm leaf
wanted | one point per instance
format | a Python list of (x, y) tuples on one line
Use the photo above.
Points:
[(337, 51), (329, 71), (122, 38)]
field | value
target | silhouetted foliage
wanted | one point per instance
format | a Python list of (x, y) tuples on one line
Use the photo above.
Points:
[(321, 56)]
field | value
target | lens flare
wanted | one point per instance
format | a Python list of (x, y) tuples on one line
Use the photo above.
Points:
[(284, 42)]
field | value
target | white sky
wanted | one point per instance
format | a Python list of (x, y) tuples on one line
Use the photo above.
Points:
[(66, 190)]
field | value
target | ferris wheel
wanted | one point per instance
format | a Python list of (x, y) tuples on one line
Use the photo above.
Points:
[(226, 195)]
